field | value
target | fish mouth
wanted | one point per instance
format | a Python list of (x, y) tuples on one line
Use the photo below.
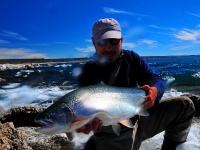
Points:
[(44, 123)]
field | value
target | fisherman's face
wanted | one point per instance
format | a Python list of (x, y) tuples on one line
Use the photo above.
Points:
[(109, 48)]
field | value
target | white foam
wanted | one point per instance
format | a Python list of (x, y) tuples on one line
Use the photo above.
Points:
[(64, 65), (196, 75), (80, 139), (12, 85), (25, 95), (192, 143), (169, 79), (154, 143), (27, 72), (173, 93)]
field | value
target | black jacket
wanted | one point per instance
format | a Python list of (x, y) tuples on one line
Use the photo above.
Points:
[(129, 71)]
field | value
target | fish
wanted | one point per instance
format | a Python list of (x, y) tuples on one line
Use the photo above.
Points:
[(111, 104)]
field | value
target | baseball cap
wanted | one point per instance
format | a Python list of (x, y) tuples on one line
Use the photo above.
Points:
[(106, 28)]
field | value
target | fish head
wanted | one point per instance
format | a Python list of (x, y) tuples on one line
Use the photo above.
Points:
[(55, 120)]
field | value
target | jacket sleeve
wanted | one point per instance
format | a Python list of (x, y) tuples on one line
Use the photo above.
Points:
[(147, 76)]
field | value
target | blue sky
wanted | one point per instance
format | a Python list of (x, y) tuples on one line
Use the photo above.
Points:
[(62, 28)]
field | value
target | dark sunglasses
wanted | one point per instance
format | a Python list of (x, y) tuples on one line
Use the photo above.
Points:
[(104, 42)]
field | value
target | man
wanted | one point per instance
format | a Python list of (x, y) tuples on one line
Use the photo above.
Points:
[(117, 67)]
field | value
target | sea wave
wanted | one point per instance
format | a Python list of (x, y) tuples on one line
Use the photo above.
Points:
[(14, 95), (196, 75), (185, 79)]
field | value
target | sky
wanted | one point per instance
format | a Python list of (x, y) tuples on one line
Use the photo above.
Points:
[(63, 28)]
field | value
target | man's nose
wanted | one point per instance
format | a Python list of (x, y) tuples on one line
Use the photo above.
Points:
[(108, 45)]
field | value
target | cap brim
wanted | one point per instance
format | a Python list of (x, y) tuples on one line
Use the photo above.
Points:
[(107, 35)]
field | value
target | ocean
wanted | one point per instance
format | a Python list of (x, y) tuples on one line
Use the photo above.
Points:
[(44, 84), (49, 81)]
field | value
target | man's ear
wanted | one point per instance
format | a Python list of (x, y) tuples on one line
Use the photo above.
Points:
[(122, 38)]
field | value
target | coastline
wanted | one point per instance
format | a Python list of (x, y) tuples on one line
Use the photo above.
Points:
[(41, 60)]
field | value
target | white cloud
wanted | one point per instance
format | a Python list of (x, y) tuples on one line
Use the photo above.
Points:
[(111, 10), (19, 53), (155, 26), (12, 35), (136, 32), (193, 14), (148, 42), (129, 45), (88, 40), (198, 26), (188, 35), (158, 27), (87, 49), (114, 11), (4, 42), (180, 47), (43, 44)]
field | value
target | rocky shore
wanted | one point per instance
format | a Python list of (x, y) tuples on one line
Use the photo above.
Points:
[(27, 73), (8, 72), (17, 130), (41, 60)]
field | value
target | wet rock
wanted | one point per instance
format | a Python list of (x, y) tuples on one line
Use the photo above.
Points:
[(25, 138), (18, 66), (22, 116), (2, 80), (31, 66), (12, 139), (40, 141)]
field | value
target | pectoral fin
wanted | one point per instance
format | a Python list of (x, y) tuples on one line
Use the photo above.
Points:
[(141, 111), (116, 128), (79, 120), (126, 122), (70, 136)]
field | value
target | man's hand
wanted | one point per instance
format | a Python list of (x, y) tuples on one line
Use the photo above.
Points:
[(151, 96), (94, 125)]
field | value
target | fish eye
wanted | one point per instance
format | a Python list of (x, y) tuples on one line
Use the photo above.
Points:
[(63, 114)]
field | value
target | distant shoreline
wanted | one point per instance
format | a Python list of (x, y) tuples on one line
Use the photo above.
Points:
[(44, 60), (41, 60)]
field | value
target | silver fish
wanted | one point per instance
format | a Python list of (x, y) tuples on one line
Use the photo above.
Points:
[(111, 104)]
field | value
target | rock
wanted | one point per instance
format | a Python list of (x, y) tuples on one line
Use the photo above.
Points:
[(31, 66), (25, 138), (22, 116), (12, 139), (40, 141), (2, 80), (4, 67)]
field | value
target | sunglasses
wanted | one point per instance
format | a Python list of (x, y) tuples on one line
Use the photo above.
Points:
[(104, 42)]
